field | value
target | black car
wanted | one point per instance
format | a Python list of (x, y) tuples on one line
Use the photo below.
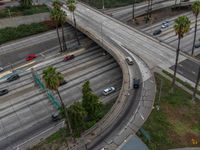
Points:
[(3, 92), (197, 45), (56, 116), (13, 77), (63, 82), (136, 83), (156, 32)]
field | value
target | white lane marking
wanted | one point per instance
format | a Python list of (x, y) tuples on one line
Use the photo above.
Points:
[(60, 124)]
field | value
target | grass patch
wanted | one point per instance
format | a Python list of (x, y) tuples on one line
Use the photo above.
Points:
[(177, 123), (19, 11), (12, 33)]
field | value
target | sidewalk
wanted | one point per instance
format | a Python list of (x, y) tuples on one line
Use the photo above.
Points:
[(133, 143)]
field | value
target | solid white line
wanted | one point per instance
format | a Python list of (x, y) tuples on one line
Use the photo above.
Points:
[(17, 147)]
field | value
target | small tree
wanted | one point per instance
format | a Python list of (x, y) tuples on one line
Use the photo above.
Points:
[(26, 3), (90, 102), (77, 115)]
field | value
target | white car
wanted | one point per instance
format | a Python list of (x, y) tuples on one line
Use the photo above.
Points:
[(1, 69), (165, 24), (108, 91)]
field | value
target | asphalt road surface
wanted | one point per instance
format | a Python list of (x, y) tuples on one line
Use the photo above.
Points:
[(47, 42), (26, 108)]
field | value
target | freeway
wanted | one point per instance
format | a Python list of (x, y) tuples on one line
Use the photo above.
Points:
[(168, 35), (26, 108), (186, 68), (43, 43), (105, 31)]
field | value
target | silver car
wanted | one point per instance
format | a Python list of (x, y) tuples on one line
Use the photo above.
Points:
[(108, 91), (1, 69)]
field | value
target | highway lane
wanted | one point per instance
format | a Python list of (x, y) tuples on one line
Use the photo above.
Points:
[(186, 68), (41, 43), (17, 116), (168, 35), (143, 46)]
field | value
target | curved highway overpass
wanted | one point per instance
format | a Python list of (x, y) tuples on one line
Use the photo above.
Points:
[(132, 107)]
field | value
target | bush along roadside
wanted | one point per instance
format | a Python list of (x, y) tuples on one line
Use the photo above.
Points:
[(12, 33), (20, 11)]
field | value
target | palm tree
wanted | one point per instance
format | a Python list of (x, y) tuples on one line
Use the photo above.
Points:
[(56, 5), (55, 17), (181, 26), (62, 21), (195, 10), (52, 80), (71, 4)]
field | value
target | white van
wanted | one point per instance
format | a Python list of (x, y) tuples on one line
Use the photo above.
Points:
[(129, 60)]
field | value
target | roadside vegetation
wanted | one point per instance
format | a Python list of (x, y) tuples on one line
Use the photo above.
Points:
[(21, 11), (79, 116), (176, 123), (12, 33)]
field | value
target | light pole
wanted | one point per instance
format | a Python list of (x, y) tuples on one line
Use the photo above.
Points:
[(133, 9), (160, 91), (103, 4), (196, 85)]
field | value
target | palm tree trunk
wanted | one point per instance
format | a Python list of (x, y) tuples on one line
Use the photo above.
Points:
[(176, 64), (67, 121), (59, 38), (133, 9), (196, 85), (195, 32), (150, 9), (63, 38), (76, 32), (175, 2)]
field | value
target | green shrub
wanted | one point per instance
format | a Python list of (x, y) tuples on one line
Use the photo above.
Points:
[(13, 33), (19, 11)]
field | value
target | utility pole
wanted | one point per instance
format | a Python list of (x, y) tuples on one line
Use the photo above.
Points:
[(103, 4), (196, 85), (133, 9)]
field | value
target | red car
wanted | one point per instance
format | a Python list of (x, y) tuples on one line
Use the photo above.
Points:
[(31, 57), (69, 57), (2, 3)]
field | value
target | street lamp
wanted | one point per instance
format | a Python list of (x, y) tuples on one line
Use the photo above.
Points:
[(103, 4)]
